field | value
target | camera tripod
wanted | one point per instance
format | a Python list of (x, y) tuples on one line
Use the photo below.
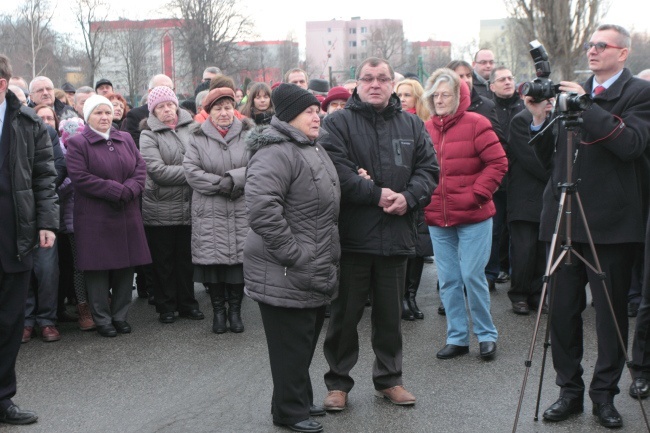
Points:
[(564, 252)]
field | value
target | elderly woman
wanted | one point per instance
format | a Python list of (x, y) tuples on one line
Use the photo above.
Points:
[(292, 250), (120, 108), (108, 175), (472, 163), (166, 205), (215, 167)]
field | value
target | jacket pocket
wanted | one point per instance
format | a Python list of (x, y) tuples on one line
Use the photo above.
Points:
[(403, 152)]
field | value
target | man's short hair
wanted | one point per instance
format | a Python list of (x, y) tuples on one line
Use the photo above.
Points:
[(84, 90), (624, 39), (497, 69), (5, 67), (291, 71), (455, 64), (479, 50), (37, 79), (374, 62), (211, 70)]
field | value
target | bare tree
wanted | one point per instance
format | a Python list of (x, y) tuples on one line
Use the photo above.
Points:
[(91, 15), (209, 31), (132, 46), (563, 26), (387, 42), (32, 29), (639, 58)]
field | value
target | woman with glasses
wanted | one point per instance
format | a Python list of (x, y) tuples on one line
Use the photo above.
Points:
[(472, 163)]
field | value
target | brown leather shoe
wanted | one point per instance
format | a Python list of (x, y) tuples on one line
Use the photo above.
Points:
[(397, 395), (86, 322), (335, 400), (27, 334), (50, 333)]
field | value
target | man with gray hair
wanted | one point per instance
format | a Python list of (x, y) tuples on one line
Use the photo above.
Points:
[(208, 74), (80, 96), (41, 91)]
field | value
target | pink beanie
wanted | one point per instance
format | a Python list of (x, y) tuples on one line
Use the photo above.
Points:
[(160, 94)]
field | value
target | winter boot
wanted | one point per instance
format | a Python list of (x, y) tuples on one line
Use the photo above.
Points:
[(410, 299), (86, 322), (217, 294), (407, 314), (235, 297)]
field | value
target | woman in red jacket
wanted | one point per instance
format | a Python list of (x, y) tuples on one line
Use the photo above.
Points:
[(472, 163)]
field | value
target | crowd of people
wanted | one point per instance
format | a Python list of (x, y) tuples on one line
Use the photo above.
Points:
[(315, 201)]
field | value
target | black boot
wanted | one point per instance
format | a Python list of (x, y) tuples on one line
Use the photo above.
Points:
[(235, 297), (217, 297), (407, 314), (410, 299)]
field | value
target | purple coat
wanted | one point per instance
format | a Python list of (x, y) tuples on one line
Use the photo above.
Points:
[(108, 178)]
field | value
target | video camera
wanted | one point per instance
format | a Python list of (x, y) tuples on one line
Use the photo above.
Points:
[(542, 87)]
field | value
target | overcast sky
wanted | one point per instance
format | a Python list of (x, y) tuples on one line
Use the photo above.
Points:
[(440, 20)]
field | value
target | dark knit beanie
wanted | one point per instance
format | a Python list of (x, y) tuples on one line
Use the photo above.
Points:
[(290, 100)]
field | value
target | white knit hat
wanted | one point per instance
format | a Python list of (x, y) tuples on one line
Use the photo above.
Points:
[(92, 103)]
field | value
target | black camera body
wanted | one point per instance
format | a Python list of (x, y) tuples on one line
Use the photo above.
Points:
[(542, 87)]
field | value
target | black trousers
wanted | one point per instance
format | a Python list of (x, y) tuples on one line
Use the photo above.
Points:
[(641, 343), (13, 295), (568, 300), (291, 336), (383, 279), (527, 261), (99, 283), (171, 254)]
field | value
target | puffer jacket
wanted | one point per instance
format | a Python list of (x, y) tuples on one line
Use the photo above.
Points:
[(32, 173), (166, 197), (219, 221), (292, 251), (396, 151), (472, 164)]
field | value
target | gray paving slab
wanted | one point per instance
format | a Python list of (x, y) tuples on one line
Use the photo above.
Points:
[(183, 378)]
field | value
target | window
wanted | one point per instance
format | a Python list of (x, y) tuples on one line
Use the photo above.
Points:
[(364, 29), (353, 43), (353, 31), (364, 43), (329, 42), (353, 57), (329, 30)]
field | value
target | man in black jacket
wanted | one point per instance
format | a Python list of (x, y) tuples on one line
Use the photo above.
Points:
[(483, 64), (373, 135), (29, 214), (609, 161)]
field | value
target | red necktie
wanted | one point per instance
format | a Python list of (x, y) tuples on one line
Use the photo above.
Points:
[(598, 90)]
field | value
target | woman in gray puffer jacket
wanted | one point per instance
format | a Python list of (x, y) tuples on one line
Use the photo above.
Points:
[(292, 249), (166, 205), (215, 167)]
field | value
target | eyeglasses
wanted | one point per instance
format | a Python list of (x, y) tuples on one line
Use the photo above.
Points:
[(485, 62), (504, 79), (442, 95), (380, 80), (599, 46)]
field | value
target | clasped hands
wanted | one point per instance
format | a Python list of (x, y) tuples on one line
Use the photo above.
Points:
[(392, 202)]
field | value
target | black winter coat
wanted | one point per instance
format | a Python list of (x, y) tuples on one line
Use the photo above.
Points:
[(611, 158), (527, 176), (395, 149), (32, 174)]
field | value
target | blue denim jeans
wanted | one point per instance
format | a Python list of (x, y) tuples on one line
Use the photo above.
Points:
[(461, 253)]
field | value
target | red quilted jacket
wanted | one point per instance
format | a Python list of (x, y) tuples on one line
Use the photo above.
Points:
[(472, 164)]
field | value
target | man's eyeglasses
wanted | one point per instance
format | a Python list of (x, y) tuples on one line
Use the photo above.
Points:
[(599, 46), (485, 62), (380, 80), (43, 89), (504, 79)]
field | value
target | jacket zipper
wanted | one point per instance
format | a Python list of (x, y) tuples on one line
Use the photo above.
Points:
[(442, 181)]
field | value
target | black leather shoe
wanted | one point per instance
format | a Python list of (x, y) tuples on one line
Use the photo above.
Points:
[(316, 410), (167, 317), (452, 351), (563, 408), (640, 388), (407, 314), (15, 415), (503, 277), (487, 349), (192, 314), (106, 330), (441, 310), (306, 426), (521, 307), (632, 309), (122, 327), (607, 415)]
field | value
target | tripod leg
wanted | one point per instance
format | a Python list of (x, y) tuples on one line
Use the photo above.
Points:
[(547, 344), (551, 265)]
